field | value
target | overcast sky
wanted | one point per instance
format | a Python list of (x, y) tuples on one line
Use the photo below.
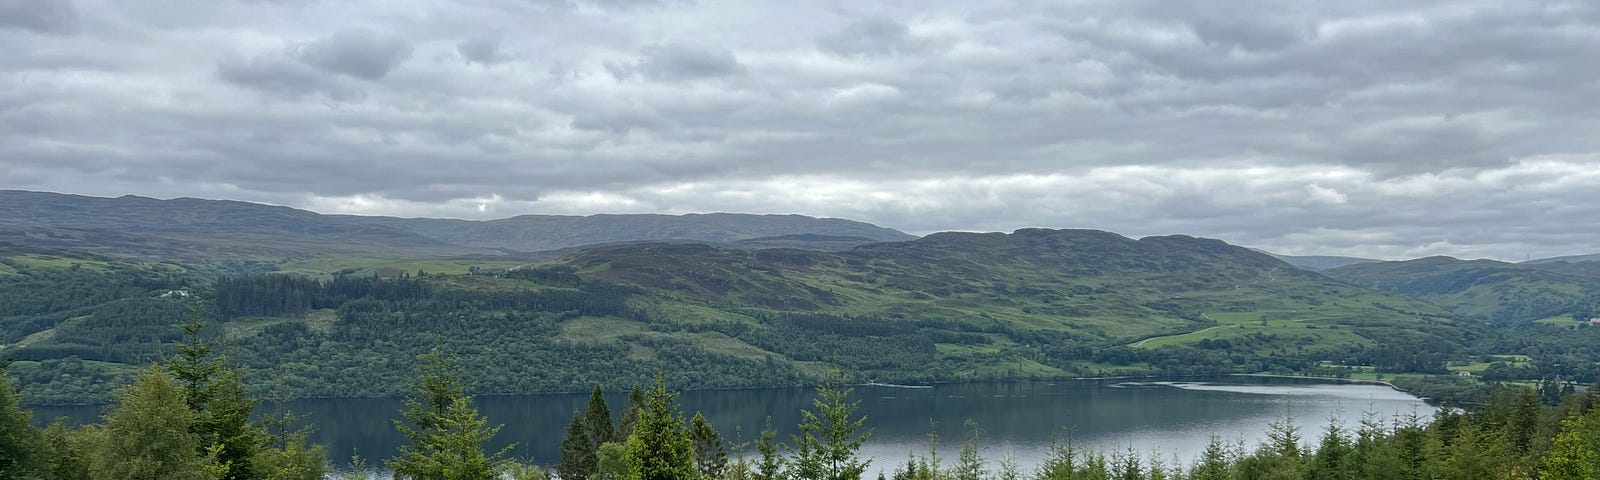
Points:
[(1374, 128)]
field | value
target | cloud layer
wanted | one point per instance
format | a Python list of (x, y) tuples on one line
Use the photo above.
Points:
[(1389, 129)]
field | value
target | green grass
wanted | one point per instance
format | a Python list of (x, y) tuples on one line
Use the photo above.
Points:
[(1560, 321), (320, 321), (1320, 326), (33, 260)]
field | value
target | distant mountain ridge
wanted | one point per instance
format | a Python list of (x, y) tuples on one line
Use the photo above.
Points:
[(1485, 289), (198, 229), (1318, 262)]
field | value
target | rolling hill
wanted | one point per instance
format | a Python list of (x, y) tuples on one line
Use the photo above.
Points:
[(1486, 289), (951, 306), (195, 230)]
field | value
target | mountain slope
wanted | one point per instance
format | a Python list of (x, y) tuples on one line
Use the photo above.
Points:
[(1567, 259), (196, 230), (530, 233), (1319, 263), (1483, 289)]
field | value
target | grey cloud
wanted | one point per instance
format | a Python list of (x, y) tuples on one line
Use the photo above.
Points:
[(1365, 127), (43, 16), (682, 61), (359, 53), (279, 75), (869, 36), (483, 50)]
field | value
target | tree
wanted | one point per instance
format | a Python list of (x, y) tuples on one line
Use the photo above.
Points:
[(969, 466), (222, 406), (1332, 458), (630, 415), (770, 466), (612, 462), (829, 437), (1215, 462), (69, 451), (578, 452), (446, 433), (659, 447), (597, 420), (149, 434), (709, 456), (1570, 458), (19, 441)]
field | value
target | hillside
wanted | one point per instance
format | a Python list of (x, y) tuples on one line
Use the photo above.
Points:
[(950, 306), (208, 231), (531, 233), (1319, 263), (1593, 257), (1484, 289)]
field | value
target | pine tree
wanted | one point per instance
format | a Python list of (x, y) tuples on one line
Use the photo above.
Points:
[(1332, 458), (969, 466), (709, 456), (829, 437), (217, 396), (149, 434), (579, 455), (19, 441), (659, 447), (770, 465), (446, 433), (597, 420), (630, 415), (1215, 462)]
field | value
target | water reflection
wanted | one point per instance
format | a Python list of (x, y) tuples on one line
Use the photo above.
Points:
[(1174, 418)]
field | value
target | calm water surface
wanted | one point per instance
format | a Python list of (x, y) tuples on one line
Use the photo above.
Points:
[(1173, 418)]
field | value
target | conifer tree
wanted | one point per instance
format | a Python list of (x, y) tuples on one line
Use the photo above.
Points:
[(579, 455), (446, 433), (659, 447), (149, 434), (969, 466), (1214, 463), (1570, 457), (829, 437), (709, 455), (597, 420), (1332, 458), (630, 415), (770, 465)]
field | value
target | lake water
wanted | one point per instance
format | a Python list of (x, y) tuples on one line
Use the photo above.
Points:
[(1173, 418)]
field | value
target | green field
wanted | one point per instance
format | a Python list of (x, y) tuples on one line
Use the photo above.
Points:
[(389, 267), (1320, 327)]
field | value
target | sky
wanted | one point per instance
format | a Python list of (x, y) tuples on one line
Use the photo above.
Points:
[(1386, 129)]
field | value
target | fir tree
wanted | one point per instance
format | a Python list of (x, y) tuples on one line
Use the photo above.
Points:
[(149, 434), (578, 453), (597, 420), (709, 456), (829, 437), (770, 465), (630, 416), (659, 447), (446, 433)]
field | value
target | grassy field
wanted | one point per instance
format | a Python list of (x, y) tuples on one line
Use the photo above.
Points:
[(320, 321), (1321, 327)]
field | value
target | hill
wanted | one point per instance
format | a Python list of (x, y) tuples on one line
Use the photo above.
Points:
[(530, 233), (949, 306), (1565, 259), (1485, 289), (200, 231), (1319, 263)]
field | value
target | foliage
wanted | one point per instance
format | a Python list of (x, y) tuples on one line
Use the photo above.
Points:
[(659, 448), (445, 432), (830, 437)]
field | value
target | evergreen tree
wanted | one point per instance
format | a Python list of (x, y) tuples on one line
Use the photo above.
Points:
[(579, 455), (659, 447), (446, 433), (1570, 457), (709, 456), (829, 437), (19, 442), (597, 420), (1215, 462), (969, 466), (222, 406), (770, 465), (150, 435), (1332, 458), (630, 415)]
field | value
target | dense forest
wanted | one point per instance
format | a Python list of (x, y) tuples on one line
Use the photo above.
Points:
[(78, 332)]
